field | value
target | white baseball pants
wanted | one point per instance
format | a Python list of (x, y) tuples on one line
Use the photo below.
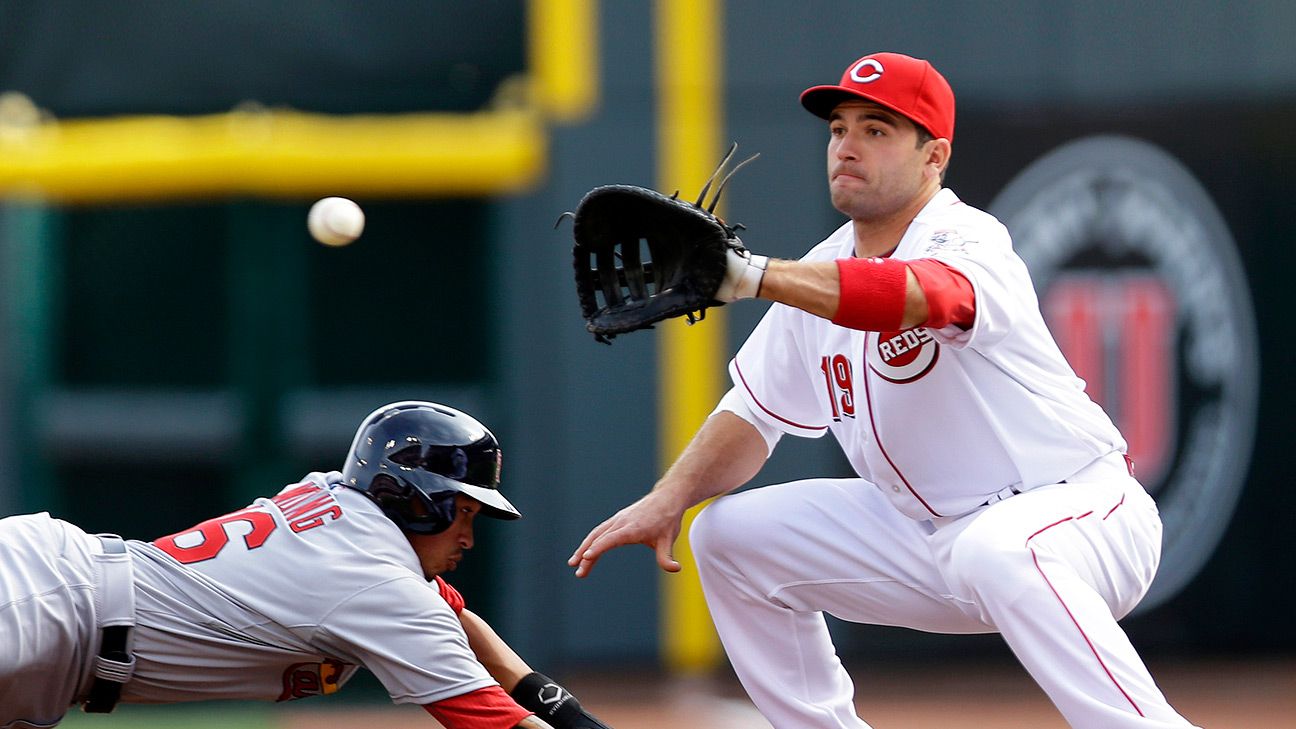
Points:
[(1051, 570)]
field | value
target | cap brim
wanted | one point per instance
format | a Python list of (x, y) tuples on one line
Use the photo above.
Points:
[(821, 100)]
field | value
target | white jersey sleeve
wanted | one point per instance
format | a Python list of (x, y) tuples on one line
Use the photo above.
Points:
[(734, 402), (978, 246)]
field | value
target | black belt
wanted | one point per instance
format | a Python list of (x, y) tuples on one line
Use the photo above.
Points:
[(104, 693)]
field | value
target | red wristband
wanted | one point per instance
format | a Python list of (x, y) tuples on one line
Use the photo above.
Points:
[(872, 294)]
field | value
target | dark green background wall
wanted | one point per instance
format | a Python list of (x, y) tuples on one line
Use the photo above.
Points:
[(190, 356)]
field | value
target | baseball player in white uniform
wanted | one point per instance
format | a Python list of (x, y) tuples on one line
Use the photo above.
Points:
[(283, 599), (992, 494)]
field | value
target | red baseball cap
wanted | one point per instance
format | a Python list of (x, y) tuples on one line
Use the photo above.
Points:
[(907, 85)]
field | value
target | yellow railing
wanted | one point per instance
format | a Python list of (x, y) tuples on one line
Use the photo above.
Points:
[(255, 151)]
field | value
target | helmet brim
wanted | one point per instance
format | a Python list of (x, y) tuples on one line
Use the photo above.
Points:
[(493, 502)]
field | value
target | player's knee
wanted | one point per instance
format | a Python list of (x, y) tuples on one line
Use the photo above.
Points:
[(717, 531)]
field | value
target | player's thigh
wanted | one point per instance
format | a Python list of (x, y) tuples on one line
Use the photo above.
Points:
[(1107, 533), (46, 618), (41, 659), (831, 545)]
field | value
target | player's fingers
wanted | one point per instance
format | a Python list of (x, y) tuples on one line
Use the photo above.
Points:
[(585, 544), (610, 538), (589, 540), (596, 543), (618, 522), (666, 560), (584, 566), (611, 535)]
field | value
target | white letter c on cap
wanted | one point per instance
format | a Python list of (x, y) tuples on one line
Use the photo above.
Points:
[(871, 63)]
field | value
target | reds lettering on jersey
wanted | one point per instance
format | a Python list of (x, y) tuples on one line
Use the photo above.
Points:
[(935, 419)]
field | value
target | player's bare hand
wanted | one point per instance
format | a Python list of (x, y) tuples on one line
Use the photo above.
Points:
[(653, 521)]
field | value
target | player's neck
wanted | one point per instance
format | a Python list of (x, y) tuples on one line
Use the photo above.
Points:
[(881, 236)]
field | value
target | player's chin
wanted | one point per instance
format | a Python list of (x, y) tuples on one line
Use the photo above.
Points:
[(846, 198), (847, 184)]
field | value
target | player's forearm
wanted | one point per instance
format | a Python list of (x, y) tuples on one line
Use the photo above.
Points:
[(500, 660), (815, 287), (725, 454), (533, 722)]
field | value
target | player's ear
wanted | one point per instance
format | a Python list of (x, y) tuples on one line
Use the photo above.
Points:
[(938, 153)]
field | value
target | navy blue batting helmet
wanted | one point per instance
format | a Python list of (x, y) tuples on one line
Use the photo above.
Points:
[(420, 451)]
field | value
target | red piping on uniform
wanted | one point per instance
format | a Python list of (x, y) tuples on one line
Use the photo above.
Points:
[(868, 395), (1050, 526), (1093, 650), (769, 412), (1114, 508)]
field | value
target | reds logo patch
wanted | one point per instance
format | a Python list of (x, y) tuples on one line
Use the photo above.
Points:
[(866, 71), (903, 356)]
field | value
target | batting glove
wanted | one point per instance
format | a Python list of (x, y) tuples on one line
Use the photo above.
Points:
[(742, 276)]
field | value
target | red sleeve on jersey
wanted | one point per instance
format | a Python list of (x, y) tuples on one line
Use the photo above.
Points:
[(950, 298), (872, 294), (485, 708), (450, 594)]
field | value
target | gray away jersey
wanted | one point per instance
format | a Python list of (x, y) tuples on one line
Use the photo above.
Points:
[(286, 598)]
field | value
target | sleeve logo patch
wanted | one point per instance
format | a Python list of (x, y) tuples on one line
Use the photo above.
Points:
[(950, 241)]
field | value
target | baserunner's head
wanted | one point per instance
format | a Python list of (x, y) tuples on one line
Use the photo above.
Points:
[(413, 458)]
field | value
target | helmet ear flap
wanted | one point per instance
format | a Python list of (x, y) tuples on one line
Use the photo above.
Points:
[(440, 512), (409, 508)]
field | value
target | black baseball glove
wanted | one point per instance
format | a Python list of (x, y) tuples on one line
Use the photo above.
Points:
[(641, 257)]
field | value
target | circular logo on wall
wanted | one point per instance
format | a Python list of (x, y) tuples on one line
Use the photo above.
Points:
[(1142, 287)]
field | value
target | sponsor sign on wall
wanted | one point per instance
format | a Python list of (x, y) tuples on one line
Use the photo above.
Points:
[(1142, 286)]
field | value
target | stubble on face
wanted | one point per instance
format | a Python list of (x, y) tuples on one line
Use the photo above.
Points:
[(873, 178), (442, 552)]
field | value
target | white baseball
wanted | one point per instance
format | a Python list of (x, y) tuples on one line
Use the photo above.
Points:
[(335, 221)]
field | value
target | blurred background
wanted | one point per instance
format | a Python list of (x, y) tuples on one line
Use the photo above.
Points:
[(174, 343)]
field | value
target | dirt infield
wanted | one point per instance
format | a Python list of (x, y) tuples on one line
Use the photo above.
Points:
[(1219, 695)]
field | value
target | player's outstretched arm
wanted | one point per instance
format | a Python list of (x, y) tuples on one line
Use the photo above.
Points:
[(497, 657), (554, 705), (724, 454), (815, 287)]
